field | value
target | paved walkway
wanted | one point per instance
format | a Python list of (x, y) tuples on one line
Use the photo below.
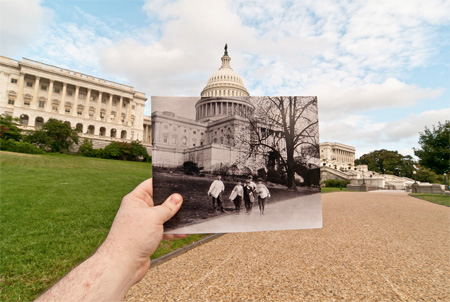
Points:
[(372, 247), (304, 212)]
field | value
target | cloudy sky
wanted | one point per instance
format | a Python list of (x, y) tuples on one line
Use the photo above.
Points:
[(380, 68)]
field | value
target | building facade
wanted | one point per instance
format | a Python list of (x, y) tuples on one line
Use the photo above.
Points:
[(211, 139), (337, 156), (98, 109)]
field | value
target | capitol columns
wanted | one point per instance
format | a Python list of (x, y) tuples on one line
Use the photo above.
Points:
[(19, 100), (87, 103), (35, 93), (119, 113), (48, 104), (108, 112), (75, 101), (63, 98), (129, 113), (99, 104)]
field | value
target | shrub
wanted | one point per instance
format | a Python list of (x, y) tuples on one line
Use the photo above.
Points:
[(336, 183), (190, 168), (9, 128), (276, 177), (21, 147)]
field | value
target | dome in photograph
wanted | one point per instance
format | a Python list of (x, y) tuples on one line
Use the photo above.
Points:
[(225, 82)]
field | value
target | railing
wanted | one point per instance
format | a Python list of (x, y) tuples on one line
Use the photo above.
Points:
[(77, 74)]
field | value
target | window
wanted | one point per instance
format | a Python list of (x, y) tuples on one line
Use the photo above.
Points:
[(79, 112), (104, 101), (14, 81), (67, 110), (29, 84), (41, 104), (82, 96), (43, 87), (57, 90), (26, 102), (70, 93), (93, 97), (10, 102), (102, 114), (195, 132)]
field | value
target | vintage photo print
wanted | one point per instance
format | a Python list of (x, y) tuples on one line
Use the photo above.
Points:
[(242, 164)]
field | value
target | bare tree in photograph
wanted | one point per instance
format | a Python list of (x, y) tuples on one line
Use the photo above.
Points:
[(282, 127)]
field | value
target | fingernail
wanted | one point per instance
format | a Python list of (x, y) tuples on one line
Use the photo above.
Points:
[(175, 199)]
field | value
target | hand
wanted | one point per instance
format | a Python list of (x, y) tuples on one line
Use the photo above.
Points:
[(138, 229), (124, 258)]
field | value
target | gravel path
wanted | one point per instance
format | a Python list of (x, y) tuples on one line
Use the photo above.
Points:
[(373, 247)]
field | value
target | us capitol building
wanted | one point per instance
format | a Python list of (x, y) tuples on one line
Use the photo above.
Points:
[(101, 110), (221, 116)]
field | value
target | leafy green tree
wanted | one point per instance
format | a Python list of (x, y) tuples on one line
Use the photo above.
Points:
[(388, 162), (9, 128), (435, 148), (55, 136), (426, 175)]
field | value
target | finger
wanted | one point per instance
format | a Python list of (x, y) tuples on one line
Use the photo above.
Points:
[(169, 208), (174, 236), (144, 191)]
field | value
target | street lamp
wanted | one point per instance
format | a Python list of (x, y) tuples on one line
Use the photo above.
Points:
[(414, 172), (445, 181)]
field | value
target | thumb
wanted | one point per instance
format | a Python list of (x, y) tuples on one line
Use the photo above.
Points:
[(169, 208)]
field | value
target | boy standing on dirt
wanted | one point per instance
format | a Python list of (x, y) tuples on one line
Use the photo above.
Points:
[(215, 189), (236, 196), (263, 193)]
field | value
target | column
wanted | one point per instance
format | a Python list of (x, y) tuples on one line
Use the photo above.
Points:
[(144, 139), (119, 113), (63, 99), (35, 93), (87, 105), (48, 104), (225, 107), (108, 112), (75, 101), (129, 113), (19, 100), (99, 104)]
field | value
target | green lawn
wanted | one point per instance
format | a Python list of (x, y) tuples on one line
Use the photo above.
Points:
[(331, 189), (435, 198), (55, 211)]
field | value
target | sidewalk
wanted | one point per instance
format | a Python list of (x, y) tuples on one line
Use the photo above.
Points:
[(372, 247), (302, 212)]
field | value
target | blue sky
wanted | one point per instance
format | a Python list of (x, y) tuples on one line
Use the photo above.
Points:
[(380, 68)]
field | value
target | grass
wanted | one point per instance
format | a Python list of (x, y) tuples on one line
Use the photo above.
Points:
[(332, 189), (55, 211), (434, 198)]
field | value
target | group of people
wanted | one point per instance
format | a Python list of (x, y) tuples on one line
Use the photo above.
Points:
[(247, 191)]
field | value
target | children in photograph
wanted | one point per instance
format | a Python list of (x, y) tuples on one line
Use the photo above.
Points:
[(214, 191), (263, 193), (248, 196), (236, 196)]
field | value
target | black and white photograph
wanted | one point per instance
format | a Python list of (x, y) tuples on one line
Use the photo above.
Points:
[(241, 163)]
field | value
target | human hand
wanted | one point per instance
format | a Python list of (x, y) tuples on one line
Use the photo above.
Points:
[(138, 229)]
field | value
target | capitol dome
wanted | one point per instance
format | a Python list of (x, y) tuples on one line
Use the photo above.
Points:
[(225, 82), (224, 95)]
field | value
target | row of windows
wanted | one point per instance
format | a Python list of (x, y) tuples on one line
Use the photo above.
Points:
[(39, 121), (71, 92)]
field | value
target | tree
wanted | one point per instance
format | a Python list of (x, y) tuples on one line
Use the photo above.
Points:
[(388, 162), (9, 128), (282, 127), (435, 148), (55, 136)]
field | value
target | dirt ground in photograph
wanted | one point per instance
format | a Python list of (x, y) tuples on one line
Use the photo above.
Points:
[(197, 204), (372, 247)]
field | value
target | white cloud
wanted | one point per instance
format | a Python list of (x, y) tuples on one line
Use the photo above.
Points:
[(21, 21)]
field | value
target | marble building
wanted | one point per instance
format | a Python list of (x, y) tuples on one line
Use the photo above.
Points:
[(337, 156), (98, 109), (211, 139)]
